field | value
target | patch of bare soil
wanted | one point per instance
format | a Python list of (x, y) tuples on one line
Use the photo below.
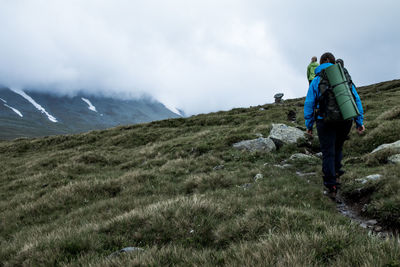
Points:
[(355, 209)]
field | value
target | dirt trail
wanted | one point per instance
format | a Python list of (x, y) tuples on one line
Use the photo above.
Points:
[(352, 212)]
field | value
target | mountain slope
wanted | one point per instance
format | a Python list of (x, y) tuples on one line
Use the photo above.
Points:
[(30, 114), (178, 190)]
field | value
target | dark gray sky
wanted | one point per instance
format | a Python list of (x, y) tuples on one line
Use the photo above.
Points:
[(197, 55)]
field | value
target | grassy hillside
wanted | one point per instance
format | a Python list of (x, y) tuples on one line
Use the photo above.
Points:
[(177, 189)]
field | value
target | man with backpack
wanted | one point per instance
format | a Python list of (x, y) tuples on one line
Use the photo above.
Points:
[(320, 106)]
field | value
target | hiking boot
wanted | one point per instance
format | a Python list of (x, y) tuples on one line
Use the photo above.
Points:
[(338, 174), (331, 193)]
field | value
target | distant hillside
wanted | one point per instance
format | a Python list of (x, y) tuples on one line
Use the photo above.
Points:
[(176, 192), (30, 114)]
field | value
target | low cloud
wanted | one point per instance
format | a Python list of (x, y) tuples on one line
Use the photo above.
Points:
[(199, 56)]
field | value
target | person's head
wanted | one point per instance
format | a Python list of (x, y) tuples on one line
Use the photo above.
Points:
[(327, 58), (340, 61), (313, 59)]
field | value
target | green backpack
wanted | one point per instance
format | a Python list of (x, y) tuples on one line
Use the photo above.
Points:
[(336, 102)]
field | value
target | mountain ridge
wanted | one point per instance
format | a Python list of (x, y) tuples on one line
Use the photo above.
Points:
[(32, 114)]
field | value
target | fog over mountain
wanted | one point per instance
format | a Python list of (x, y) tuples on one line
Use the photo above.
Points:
[(198, 56)]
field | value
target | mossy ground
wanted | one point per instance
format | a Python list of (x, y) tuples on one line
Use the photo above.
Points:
[(73, 200)]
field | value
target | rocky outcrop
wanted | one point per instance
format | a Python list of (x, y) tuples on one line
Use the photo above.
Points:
[(282, 134), (278, 97), (259, 144), (394, 146)]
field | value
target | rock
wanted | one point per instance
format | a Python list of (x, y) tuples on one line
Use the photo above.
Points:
[(319, 155), (125, 250), (284, 166), (364, 208), (261, 109), (305, 174), (372, 222), (395, 159), (395, 146), (259, 144), (259, 135), (278, 97), (373, 177), (283, 134), (219, 167), (259, 176), (301, 156), (378, 228), (291, 115)]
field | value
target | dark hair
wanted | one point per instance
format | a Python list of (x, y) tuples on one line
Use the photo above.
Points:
[(326, 56)]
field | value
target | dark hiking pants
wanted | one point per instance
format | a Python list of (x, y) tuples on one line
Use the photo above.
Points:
[(331, 137)]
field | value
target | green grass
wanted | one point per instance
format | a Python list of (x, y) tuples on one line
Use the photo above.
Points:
[(75, 199)]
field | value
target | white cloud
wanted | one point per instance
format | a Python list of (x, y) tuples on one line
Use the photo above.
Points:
[(199, 56)]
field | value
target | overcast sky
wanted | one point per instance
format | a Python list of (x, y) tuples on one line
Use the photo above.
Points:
[(197, 55)]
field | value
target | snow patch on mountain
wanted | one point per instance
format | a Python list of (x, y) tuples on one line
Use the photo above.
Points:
[(173, 109), (91, 107), (14, 109), (36, 105), (3, 100)]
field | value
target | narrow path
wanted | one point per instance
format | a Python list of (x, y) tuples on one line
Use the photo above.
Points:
[(371, 224)]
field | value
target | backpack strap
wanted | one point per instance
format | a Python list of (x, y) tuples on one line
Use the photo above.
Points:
[(322, 87), (350, 82)]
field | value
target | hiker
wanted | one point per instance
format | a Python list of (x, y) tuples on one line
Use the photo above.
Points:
[(311, 69), (331, 134)]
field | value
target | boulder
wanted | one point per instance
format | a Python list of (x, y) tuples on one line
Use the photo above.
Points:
[(283, 134), (395, 159), (259, 144), (395, 146)]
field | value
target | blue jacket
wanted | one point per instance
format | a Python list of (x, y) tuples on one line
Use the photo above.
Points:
[(311, 102)]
